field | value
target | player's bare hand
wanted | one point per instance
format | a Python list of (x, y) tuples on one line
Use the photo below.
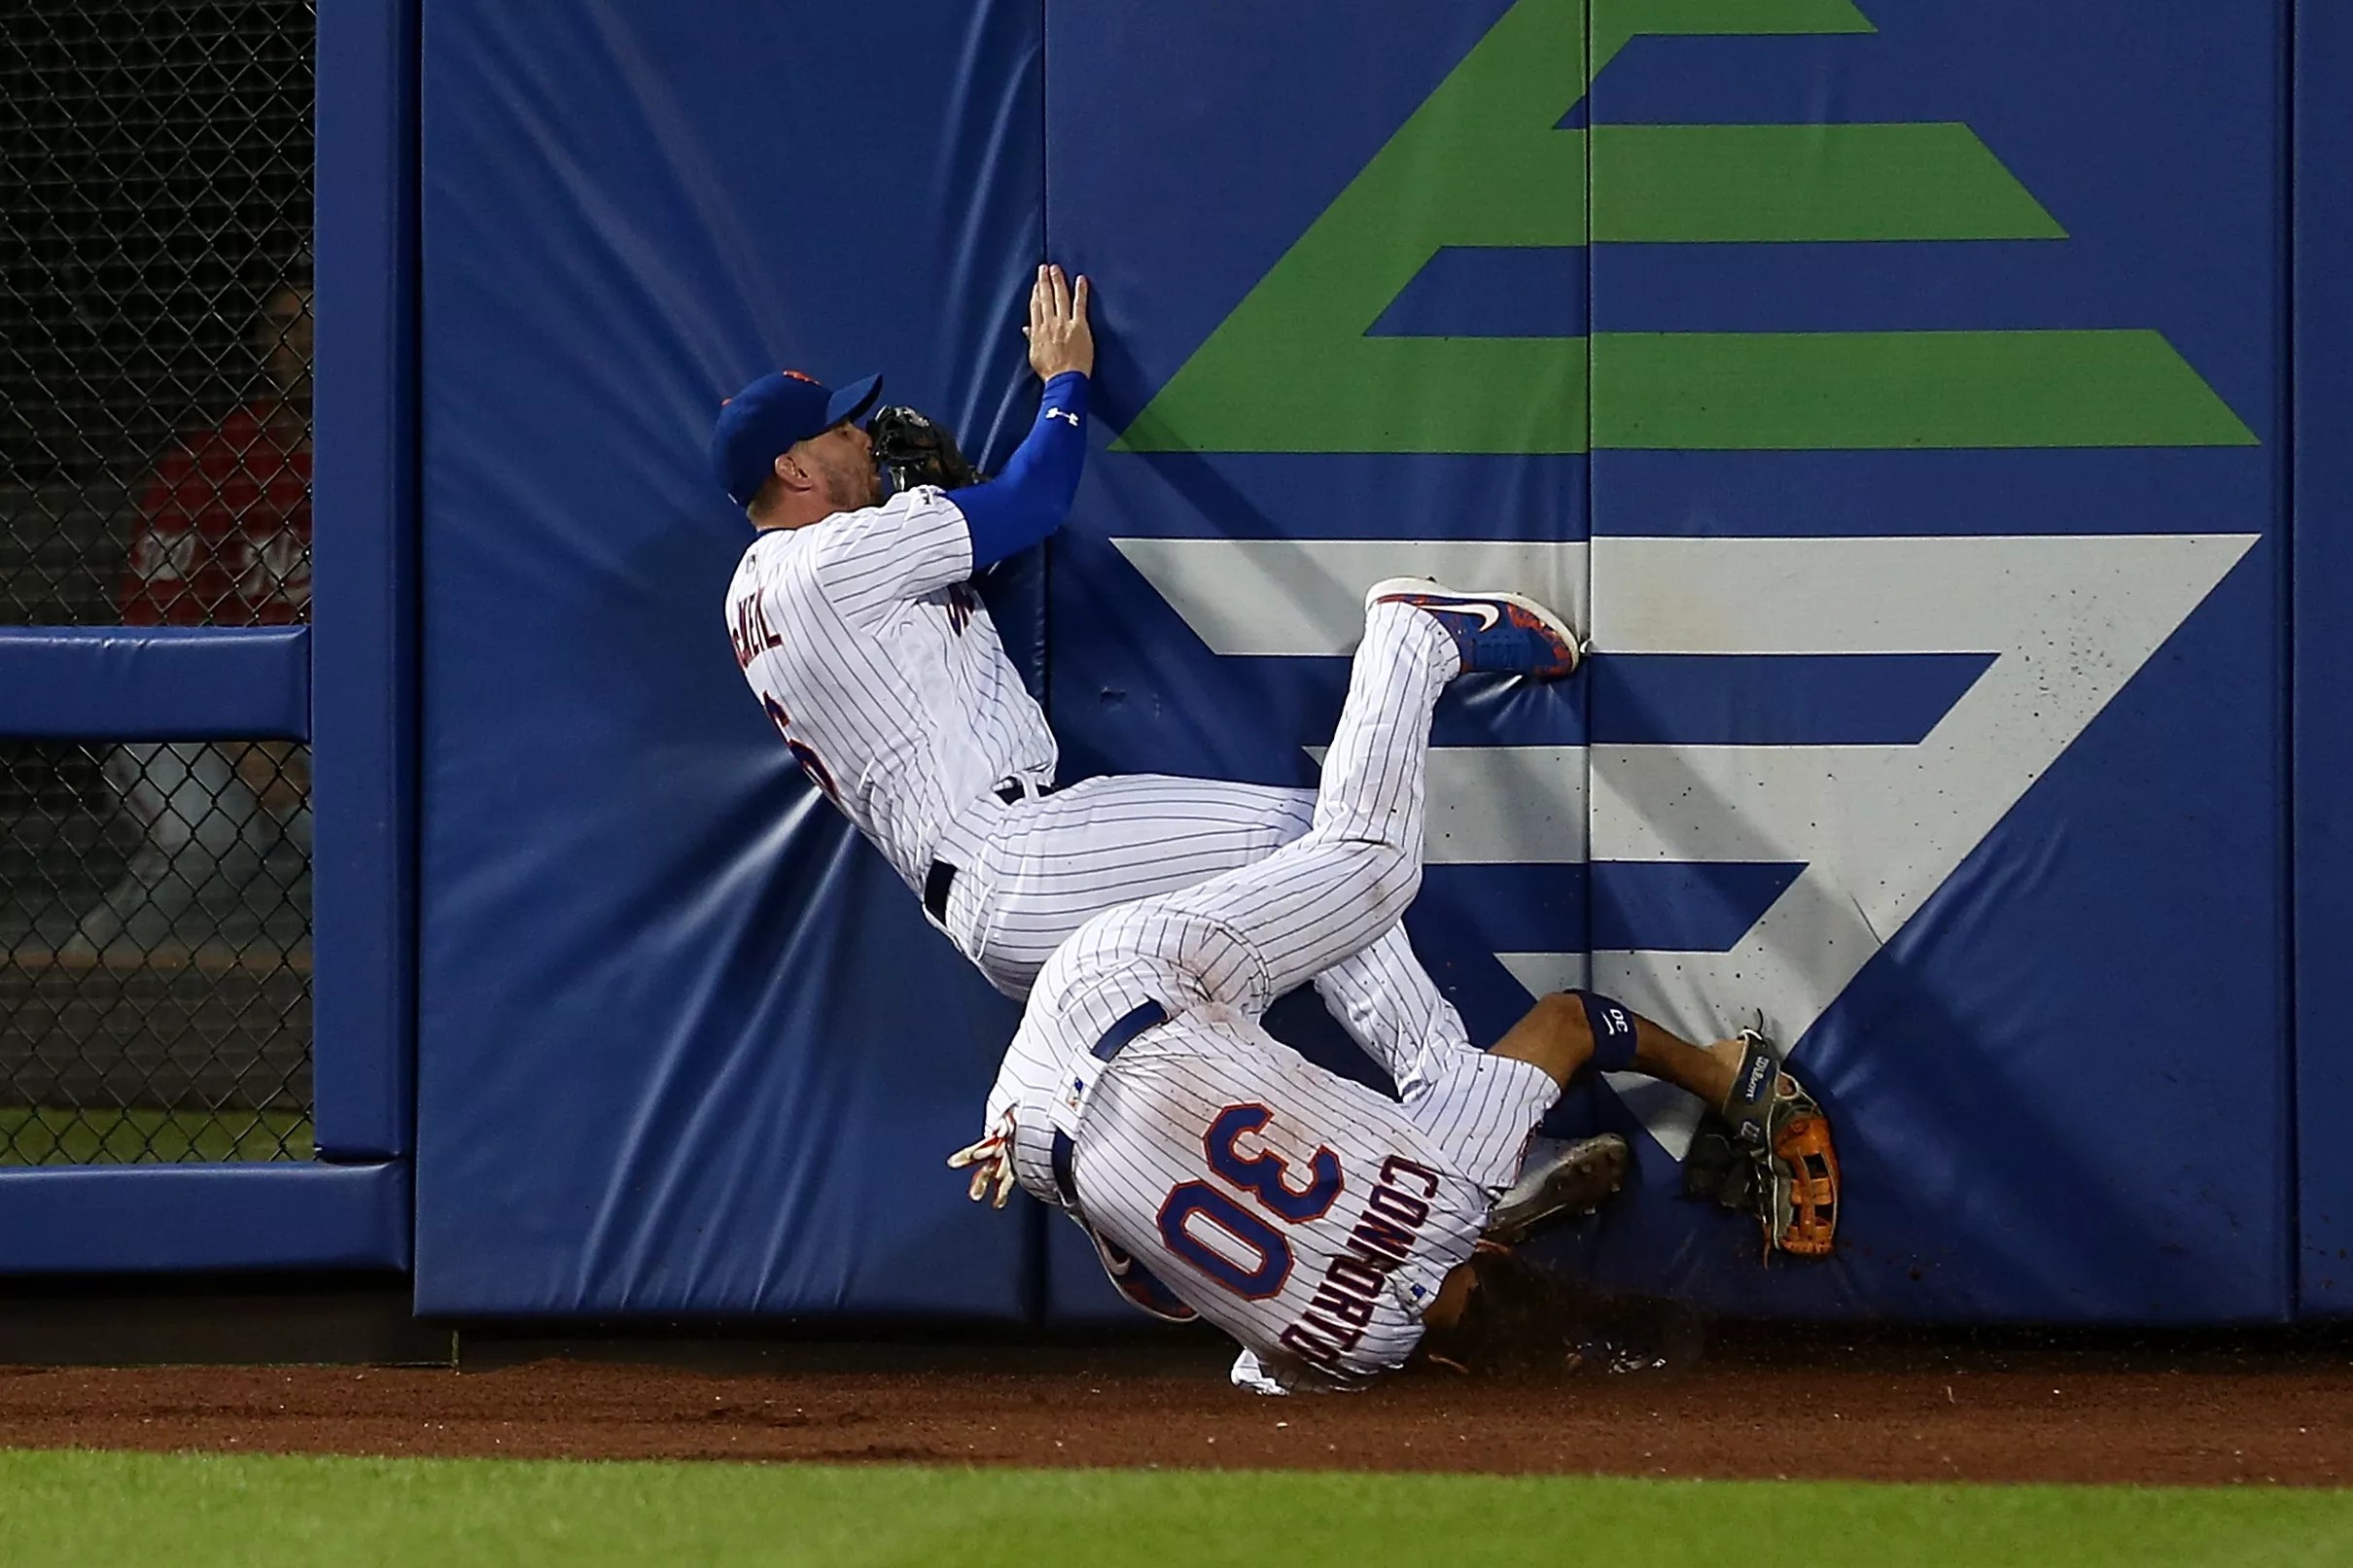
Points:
[(1060, 339), (991, 1162)]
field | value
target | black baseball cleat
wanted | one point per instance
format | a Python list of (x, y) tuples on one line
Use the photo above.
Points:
[(1573, 1179), (1504, 633)]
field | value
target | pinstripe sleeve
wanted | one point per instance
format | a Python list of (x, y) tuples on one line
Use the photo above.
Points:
[(913, 544)]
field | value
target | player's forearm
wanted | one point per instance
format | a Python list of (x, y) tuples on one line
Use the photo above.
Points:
[(1029, 500)]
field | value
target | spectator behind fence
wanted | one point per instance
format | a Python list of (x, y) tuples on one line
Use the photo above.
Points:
[(222, 538)]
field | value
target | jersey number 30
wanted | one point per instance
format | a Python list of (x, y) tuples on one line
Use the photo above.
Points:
[(1266, 1177)]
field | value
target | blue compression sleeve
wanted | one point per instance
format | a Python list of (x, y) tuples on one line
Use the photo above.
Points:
[(1029, 500)]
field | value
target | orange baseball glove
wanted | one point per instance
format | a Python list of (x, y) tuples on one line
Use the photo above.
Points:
[(1768, 1151)]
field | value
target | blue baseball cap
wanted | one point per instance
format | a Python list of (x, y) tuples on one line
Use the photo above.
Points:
[(770, 415)]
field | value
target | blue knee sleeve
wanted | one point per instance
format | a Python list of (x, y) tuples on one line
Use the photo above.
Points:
[(1614, 1027)]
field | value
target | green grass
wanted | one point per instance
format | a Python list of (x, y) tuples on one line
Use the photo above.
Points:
[(192, 1511), (48, 1135)]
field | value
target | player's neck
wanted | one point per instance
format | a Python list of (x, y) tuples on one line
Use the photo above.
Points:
[(788, 516)]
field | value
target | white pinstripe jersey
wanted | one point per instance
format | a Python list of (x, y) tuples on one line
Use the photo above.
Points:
[(1308, 1216), (1311, 1218), (874, 656)]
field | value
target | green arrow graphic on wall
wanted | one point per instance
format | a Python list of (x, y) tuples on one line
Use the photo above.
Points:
[(1482, 163)]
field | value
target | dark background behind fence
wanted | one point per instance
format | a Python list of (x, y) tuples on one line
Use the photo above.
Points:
[(155, 175)]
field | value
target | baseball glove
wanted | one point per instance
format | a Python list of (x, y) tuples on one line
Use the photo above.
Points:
[(912, 449), (1526, 1321), (1767, 1152)]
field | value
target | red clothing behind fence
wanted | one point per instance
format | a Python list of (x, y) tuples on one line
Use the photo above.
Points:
[(223, 534)]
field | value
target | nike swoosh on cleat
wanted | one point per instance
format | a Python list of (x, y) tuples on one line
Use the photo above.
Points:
[(1490, 614)]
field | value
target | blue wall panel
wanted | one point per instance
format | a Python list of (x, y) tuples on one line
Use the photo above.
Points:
[(1810, 652), (1938, 710), (155, 682), (1188, 151), (155, 1219), (684, 1041), (2323, 577), (364, 645), (2007, 962)]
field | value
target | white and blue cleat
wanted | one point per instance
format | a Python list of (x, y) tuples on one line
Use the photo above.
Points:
[(1558, 1182), (1502, 632)]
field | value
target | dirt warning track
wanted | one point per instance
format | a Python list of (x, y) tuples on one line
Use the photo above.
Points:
[(1822, 1410)]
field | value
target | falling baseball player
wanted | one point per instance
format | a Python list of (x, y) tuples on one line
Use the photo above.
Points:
[(855, 622), (1327, 1227)]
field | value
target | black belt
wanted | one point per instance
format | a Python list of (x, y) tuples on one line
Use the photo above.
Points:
[(936, 883), (1115, 1039), (1063, 1182), (942, 875)]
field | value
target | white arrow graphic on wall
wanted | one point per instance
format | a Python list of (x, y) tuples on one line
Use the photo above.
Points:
[(2068, 618)]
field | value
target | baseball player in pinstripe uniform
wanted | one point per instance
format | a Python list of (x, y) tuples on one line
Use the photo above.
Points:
[(1327, 1227), (854, 621)]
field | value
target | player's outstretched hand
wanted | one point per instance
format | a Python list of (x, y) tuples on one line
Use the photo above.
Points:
[(1060, 339), (992, 1165)]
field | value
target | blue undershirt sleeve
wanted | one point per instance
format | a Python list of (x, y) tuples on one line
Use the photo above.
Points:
[(1029, 500)]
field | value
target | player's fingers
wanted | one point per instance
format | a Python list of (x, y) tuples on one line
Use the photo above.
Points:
[(1060, 291), (1005, 1184), (1078, 298)]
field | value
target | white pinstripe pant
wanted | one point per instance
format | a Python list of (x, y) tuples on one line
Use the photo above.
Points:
[(1311, 1218), (1040, 869)]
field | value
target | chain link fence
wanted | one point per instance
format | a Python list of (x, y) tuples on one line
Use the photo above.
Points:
[(155, 470)]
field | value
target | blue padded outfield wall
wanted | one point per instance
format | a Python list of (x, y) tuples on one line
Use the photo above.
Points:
[(1899, 389), (684, 1040)]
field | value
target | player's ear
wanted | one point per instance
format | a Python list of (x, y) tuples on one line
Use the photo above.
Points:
[(788, 468)]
